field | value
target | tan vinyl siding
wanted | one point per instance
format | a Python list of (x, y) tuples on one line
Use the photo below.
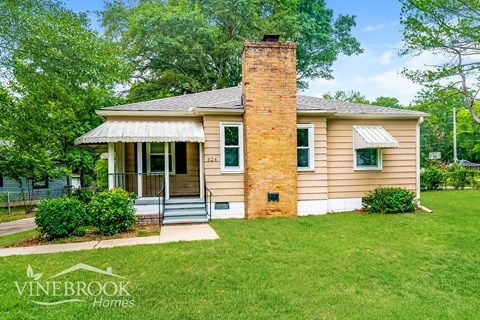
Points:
[(226, 187), (398, 165), (187, 184), (312, 185)]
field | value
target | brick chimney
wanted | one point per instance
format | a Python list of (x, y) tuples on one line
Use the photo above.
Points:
[(270, 128)]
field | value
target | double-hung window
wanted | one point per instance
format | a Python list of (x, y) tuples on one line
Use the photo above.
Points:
[(231, 145), (156, 157), (305, 147)]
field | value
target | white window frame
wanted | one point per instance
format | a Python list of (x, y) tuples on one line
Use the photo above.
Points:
[(171, 149), (378, 167), (311, 147), (238, 169)]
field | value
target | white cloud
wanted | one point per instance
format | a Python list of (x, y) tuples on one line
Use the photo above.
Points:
[(394, 82), (371, 28), (386, 58)]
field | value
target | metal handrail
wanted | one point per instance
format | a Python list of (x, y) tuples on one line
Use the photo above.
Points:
[(209, 207), (161, 203)]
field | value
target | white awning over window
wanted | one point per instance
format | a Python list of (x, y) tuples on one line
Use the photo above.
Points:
[(142, 131), (368, 137)]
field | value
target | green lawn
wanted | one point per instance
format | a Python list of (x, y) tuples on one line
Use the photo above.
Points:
[(338, 266), (16, 213)]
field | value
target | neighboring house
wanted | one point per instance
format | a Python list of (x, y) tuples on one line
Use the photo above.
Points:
[(261, 149), (469, 165), (39, 189)]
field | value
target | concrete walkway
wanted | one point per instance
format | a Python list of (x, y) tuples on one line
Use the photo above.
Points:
[(17, 226), (192, 232)]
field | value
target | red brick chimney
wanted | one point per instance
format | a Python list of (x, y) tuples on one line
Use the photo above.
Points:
[(270, 128)]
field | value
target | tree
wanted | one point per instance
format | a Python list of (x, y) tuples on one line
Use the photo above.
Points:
[(184, 46), (350, 96), (61, 72), (448, 29), (390, 102)]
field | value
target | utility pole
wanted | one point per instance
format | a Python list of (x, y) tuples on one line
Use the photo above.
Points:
[(455, 159)]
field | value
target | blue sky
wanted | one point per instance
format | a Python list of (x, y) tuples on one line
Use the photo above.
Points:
[(375, 72)]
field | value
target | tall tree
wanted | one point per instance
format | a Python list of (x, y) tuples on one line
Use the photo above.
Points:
[(181, 46), (390, 102), (448, 29), (348, 96), (60, 71)]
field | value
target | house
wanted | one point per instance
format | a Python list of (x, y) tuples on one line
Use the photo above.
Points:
[(260, 149), (38, 190)]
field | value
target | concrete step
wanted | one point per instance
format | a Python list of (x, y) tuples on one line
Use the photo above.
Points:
[(180, 206), (184, 220), (184, 213), (183, 200)]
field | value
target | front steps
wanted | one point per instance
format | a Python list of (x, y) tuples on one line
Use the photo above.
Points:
[(181, 210)]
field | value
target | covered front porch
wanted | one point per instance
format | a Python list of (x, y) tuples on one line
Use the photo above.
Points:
[(151, 158)]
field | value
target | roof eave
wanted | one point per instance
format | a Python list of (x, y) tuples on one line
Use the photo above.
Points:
[(219, 111), (378, 116)]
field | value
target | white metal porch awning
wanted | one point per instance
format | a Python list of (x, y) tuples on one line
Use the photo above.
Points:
[(368, 137), (142, 131)]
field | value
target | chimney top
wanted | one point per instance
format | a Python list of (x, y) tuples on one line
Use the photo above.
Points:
[(271, 37)]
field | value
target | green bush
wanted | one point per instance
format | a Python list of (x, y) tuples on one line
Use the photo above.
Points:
[(59, 218), (432, 178), (112, 211), (459, 177), (389, 200)]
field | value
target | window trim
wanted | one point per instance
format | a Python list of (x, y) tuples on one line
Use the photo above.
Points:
[(378, 167), (311, 146), (171, 149), (238, 169)]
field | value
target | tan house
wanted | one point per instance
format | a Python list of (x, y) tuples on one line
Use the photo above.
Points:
[(259, 150)]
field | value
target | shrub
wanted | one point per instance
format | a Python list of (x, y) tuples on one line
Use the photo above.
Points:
[(112, 211), (59, 218), (432, 178), (389, 200), (459, 177)]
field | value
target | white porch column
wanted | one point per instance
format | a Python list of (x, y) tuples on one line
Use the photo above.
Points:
[(139, 169), (200, 169), (167, 172), (111, 166)]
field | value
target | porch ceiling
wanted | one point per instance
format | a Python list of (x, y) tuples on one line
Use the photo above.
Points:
[(142, 131)]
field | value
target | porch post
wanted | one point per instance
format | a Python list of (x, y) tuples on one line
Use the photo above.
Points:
[(111, 165), (167, 172), (200, 169), (139, 169)]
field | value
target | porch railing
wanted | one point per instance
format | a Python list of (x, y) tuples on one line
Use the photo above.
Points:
[(152, 183), (161, 204), (208, 202)]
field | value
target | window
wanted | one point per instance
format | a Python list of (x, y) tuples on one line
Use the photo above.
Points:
[(156, 157), (1, 181), (305, 147), (368, 159), (231, 142)]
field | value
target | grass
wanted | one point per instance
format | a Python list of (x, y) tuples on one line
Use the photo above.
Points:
[(338, 266), (16, 213)]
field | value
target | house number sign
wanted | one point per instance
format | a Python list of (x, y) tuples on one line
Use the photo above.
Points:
[(212, 159)]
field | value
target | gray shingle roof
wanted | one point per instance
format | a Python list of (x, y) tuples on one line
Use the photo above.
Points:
[(230, 98)]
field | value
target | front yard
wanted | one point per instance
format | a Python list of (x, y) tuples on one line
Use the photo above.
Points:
[(338, 266)]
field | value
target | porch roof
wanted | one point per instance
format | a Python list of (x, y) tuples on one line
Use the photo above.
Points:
[(142, 131), (366, 137)]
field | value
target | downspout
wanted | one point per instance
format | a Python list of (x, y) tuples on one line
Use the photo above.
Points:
[(419, 123)]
